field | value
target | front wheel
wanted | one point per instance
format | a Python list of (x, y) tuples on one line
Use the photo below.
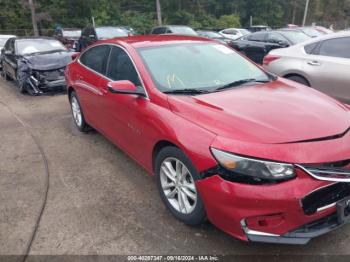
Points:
[(4, 74), (176, 178)]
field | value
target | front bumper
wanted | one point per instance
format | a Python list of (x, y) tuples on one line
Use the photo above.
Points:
[(46, 86), (272, 213), (299, 236)]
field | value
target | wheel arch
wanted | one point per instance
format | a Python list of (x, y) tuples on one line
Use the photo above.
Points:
[(158, 147), (70, 89), (298, 75)]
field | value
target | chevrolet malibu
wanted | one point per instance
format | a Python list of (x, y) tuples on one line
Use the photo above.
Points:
[(265, 159)]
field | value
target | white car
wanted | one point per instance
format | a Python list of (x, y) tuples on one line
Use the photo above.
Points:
[(322, 63), (234, 33)]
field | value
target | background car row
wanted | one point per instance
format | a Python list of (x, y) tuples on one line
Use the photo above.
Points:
[(38, 65)]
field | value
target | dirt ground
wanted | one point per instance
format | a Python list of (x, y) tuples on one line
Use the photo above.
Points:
[(99, 201)]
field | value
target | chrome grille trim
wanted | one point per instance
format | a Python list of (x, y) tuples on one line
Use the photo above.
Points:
[(319, 176)]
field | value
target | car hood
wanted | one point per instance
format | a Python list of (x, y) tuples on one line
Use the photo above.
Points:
[(278, 112), (48, 61)]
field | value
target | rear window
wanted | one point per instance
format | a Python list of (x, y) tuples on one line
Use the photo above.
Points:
[(259, 37), (339, 47), (110, 32), (310, 48), (296, 37), (96, 58)]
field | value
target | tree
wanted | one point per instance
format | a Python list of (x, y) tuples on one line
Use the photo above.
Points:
[(226, 21)]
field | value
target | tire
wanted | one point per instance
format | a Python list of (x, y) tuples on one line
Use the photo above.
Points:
[(77, 113), (299, 79), (5, 75), (22, 87), (176, 193)]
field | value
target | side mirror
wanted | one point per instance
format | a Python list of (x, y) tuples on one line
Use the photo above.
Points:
[(75, 55), (124, 87), (283, 43)]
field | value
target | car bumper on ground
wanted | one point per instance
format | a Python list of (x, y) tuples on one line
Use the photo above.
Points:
[(285, 213)]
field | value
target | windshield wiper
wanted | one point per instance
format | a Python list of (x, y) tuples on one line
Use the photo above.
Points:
[(187, 91), (46, 52), (241, 82)]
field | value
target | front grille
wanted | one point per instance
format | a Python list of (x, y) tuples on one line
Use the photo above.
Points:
[(337, 171), (51, 75), (325, 196)]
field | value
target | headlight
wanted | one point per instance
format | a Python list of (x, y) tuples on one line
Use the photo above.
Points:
[(252, 167)]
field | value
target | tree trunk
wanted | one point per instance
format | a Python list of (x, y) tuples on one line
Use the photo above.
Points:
[(159, 12), (34, 22)]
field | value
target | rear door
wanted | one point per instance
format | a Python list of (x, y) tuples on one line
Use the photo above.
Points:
[(88, 76), (329, 67)]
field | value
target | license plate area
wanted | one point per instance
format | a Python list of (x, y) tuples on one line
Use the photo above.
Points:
[(343, 211)]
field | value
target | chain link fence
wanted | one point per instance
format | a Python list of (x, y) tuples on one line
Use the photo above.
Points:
[(27, 32)]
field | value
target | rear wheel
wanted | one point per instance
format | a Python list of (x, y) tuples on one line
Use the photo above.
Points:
[(176, 178), (77, 113), (299, 79)]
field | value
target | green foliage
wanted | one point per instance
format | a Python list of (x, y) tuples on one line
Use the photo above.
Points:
[(227, 21), (141, 14)]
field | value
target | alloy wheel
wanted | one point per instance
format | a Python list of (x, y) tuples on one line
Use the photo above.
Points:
[(178, 185)]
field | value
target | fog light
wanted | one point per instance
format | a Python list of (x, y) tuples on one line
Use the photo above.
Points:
[(263, 222)]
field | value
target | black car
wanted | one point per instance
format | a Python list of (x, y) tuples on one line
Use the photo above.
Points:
[(256, 45), (215, 36), (37, 64), (68, 36), (90, 35)]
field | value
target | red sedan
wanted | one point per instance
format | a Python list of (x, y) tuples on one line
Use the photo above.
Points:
[(263, 158)]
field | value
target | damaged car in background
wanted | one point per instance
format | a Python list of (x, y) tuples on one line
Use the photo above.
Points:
[(37, 64)]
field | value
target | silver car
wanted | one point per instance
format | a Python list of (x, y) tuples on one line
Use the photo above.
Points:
[(322, 63)]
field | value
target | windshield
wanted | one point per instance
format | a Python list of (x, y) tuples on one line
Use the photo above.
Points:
[(110, 32), (3, 41), (29, 46), (183, 30), (296, 37), (204, 66), (211, 34), (311, 32), (72, 33), (244, 31)]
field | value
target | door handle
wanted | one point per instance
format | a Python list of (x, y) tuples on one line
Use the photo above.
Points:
[(313, 63)]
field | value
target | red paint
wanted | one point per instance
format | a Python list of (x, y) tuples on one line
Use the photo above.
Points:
[(256, 121)]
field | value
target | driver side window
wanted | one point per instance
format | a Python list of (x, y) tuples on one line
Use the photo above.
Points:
[(275, 38), (120, 67)]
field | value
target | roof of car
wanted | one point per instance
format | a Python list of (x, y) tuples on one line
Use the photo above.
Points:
[(141, 41), (34, 37), (7, 36), (325, 37)]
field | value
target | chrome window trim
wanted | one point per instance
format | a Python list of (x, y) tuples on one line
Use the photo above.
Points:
[(104, 76)]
